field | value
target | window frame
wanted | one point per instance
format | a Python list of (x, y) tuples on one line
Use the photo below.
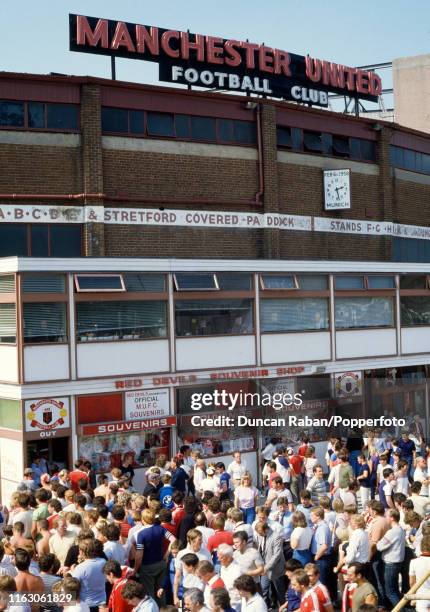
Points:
[(377, 293), (46, 298), (380, 292), (14, 303), (98, 290), (179, 289), (299, 295), (28, 237), (26, 127), (223, 295)]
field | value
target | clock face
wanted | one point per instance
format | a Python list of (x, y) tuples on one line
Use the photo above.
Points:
[(337, 189)]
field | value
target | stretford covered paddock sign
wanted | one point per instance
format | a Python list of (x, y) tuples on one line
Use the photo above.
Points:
[(216, 63)]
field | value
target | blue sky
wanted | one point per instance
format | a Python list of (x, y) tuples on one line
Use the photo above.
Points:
[(34, 36)]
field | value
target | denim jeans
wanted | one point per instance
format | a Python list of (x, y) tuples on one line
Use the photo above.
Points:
[(272, 589), (391, 580), (327, 576), (248, 515)]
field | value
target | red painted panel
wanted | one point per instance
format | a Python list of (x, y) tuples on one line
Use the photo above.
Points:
[(39, 91), (411, 141), (100, 408), (325, 122)]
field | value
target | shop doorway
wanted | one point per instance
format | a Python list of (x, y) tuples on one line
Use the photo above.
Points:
[(56, 451)]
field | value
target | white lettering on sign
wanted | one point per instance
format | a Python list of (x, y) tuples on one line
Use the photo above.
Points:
[(199, 218), (147, 404)]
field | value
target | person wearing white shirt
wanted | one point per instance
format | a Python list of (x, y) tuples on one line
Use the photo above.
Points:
[(418, 568), (134, 594), (392, 547), (199, 474), (230, 570), (421, 475), (249, 559), (251, 600), (201, 525), (358, 549), (268, 450), (194, 601), (421, 504), (237, 469), (209, 483)]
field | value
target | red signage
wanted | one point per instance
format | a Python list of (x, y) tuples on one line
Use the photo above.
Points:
[(127, 426)]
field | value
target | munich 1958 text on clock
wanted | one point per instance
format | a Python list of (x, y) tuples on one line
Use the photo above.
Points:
[(337, 189)]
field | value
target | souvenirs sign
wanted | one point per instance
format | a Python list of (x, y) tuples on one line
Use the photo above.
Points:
[(216, 63)]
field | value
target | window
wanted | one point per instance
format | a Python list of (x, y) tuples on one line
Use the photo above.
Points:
[(415, 310), (129, 320), (284, 137), (169, 125), (408, 159), (7, 323), (145, 282), (7, 284), (203, 128), (381, 282), (24, 239), (278, 281), (99, 282), (62, 116), (356, 312), (43, 283), (213, 317), (312, 282), (195, 282), (413, 281), (234, 281), (411, 249), (36, 115), (11, 114), (160, 124), (364, 150), (45, 322), (341, 147), (10, 414), (349, 282), (294, 314), (312, 142)]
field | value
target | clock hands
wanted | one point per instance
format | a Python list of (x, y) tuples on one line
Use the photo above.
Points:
[(337, 189)]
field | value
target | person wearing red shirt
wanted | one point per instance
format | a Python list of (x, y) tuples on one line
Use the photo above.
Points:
[(117, 577), (220, 536), (178, 511), (318, 587), (300, 582), (76, 475), (206, 573), (303, 447), (165, 517)]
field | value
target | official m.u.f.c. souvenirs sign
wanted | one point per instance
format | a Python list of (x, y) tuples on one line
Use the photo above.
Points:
[(216, 63), (48, 414)]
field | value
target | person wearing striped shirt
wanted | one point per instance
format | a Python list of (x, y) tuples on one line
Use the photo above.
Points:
[(317, 485)]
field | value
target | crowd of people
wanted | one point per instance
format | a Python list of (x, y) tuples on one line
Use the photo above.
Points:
[(349, 533)]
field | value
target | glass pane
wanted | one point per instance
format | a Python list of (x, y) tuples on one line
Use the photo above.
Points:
[(13, 239), (381, 282), (413, 281), (278, 281), (213, 317), (349, 282), (425, 159), (367, 150), (160, 124), (364, 312), (12, 114), (114, 120), (195, 282), (45, 322), (311, 282), (203, 128), (182, 126), (66, 241), (312, 141), (39, 241), (10, 414), (62, 116), (415, 310), (226, 130), (98, 283), (234, 281), (137, 122), (36, 114), (144, 282), (245, 132), (43, 283), (7, 284), (409, 159), (341, 146), (284, 136), (132, 320), (294, 314), (7, 323)]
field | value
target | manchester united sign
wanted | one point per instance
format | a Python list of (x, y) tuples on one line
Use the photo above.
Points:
[(47, 414)]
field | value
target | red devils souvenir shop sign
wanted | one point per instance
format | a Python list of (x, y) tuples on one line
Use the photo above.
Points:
[(127, 426), (216, 63)]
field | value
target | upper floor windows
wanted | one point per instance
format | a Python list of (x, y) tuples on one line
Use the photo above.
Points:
[(39, 240), (39, 115), (178, 126), (322, 143), (410, 160)]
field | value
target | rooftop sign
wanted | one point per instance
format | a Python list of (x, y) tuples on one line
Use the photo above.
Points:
[(216, 63)]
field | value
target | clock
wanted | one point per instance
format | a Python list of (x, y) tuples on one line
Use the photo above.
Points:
[(337, 189)]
